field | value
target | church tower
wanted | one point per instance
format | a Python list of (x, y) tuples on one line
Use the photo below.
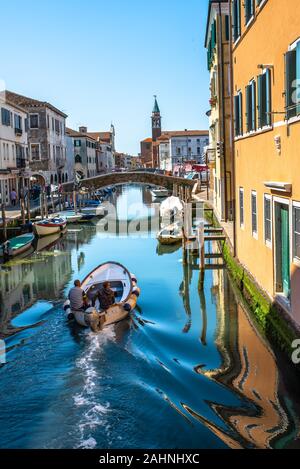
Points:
[(156, 121)]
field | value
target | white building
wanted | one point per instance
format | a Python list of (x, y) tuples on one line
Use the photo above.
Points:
[(13, 148), (179, 147), (165, 159), (188, 146)]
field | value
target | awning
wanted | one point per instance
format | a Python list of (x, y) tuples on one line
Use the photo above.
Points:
[(279, 186)]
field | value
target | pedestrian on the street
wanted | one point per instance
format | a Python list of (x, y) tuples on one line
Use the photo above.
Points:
[(13, 197)]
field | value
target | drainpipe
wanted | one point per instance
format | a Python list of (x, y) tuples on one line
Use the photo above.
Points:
[(232, 143), (222, 102)]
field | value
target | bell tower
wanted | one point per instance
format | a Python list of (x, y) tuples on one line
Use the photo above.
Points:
[(156, 121)]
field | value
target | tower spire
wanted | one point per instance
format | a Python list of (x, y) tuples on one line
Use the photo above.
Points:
[(156, 109), (156, 121)]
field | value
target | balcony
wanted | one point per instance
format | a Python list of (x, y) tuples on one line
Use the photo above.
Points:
[(21, 163), (18, 131)]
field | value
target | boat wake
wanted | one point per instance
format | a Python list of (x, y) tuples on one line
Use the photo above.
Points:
[(93, 412)]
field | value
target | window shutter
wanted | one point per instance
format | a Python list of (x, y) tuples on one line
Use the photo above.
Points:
[(290, 77), (240, 114), (253, 104), (263, 100), (259, 100), (268, 97), (236, 116), (248, 111), (298, 78)]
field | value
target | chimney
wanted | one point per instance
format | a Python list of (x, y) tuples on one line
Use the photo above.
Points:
[(83, 130)]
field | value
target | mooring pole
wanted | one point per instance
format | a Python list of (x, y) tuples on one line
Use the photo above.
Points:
[(22, 206), (46, 204), (75, 202), (4, 221), (201, 243), (28, 207)]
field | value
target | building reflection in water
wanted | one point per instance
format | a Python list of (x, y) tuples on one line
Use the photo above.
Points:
[(40, 277), (249, 368)]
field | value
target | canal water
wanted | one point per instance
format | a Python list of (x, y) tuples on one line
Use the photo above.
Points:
[(189, 370)]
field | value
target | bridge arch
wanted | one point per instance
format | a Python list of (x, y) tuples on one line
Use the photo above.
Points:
[(142, 177)]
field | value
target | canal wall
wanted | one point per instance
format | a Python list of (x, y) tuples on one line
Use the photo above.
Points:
[(278, 326)]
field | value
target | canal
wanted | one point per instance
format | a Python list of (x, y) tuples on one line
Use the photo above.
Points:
[(189, 370)]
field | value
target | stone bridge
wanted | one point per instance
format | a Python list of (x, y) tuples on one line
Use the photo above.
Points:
[(179, 186)]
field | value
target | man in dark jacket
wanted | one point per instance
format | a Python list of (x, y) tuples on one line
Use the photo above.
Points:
[(106, 297)]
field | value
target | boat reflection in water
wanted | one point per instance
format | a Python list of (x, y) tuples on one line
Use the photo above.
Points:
[(250, 369)]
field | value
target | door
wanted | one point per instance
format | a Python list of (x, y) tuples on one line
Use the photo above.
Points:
[(285, 250)]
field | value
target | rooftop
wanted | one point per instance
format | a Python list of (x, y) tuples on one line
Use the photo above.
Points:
[(25, 102)]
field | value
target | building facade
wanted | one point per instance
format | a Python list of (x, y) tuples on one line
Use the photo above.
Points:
[(14, 171), (266, 127), (219, 152), (106, 149), (84, 152), (46, 139)]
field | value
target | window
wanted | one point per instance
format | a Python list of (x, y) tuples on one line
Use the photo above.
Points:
[(238, 119), (77, 143), (296, 232), (78, 159), (264, 99), (268, 219), (18, 123), (254, 212), (5, 116), (242, 210), (292, 81), (236, 19), (198, 151), (227, 27), (34, 121), (249, 10), (35, 151), (251, 106), (57, 126), (178, 151)]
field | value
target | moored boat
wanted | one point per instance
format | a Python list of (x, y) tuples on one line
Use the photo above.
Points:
[(171, 234), (49, 226), (159, 193), (71, 216), (16, 246), (126, 292)]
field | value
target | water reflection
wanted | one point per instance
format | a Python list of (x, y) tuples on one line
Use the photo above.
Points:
[(249, 367), (190, 369), (40, 277)]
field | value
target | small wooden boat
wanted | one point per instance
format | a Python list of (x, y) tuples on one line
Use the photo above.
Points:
[(160, 193), (171, 234), (49, 226), (16, 246), (71, 216), (126, 292), (95, 211)]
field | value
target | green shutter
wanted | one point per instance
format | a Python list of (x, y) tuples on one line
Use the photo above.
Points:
[(290, 77), (253, 105), (240, 113), (263, 104), (259, 101), (298, 78), (248, 111), (268, 97), (236, 115)]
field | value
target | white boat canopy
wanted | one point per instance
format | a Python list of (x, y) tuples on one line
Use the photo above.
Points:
[(116, 274), (171, 204)]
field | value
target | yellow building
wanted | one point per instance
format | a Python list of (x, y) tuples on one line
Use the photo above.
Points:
[(220, 145), (266, 67)]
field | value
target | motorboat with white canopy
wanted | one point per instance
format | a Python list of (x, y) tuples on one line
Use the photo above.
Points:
[(124, 286)]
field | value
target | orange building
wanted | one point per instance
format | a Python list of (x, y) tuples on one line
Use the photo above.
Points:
[(266, 71)]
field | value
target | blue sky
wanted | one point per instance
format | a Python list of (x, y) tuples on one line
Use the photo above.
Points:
[(101, 61)]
